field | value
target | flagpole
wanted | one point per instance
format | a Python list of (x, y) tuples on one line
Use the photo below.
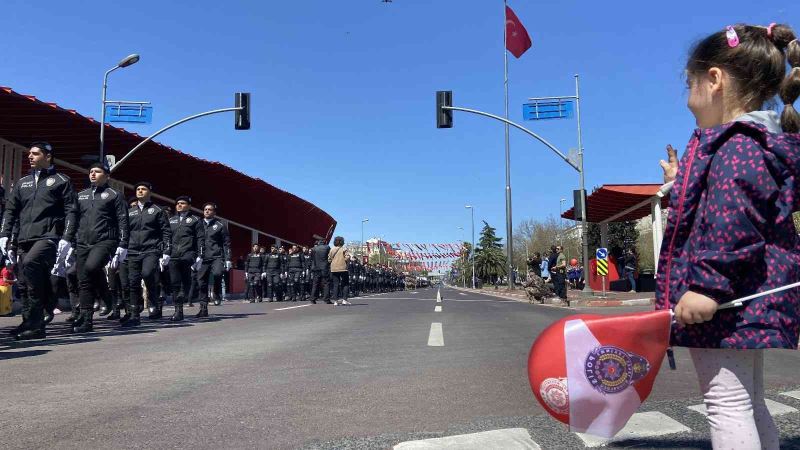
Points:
[(509, 249)]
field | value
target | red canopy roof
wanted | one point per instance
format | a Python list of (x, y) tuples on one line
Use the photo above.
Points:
[(24, 119), (613, 199)]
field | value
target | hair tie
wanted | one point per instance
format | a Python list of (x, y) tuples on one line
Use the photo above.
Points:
[(769, 30), (733, 38)]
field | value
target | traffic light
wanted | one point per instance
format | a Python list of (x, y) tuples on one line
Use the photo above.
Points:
[(444, 117), (242, 115)]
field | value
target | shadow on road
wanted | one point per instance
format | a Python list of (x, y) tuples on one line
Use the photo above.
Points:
[(60, 333)]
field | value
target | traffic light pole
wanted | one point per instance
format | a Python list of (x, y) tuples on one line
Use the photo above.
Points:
[(172, 125)]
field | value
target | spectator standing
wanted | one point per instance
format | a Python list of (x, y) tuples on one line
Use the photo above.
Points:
[(337, 258)]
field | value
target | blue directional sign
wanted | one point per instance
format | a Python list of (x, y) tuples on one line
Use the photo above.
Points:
[(547, 109), (131, 113), (602, 253)]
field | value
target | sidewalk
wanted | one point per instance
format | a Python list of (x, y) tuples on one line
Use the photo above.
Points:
[(576, 298)]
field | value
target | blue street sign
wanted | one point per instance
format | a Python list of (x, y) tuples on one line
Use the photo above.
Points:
[(602, 253), (547, 109), (131, 113)]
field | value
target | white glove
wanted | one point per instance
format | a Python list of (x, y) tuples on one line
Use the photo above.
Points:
[(12, 258), (114, 263), (4, 245), (63, 248), (264, 275), (228, 265), (163, 262), (69, 261), (121, 254), (283, 276), (197, 263)]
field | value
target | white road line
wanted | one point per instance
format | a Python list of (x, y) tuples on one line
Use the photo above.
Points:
[(461, 293), (437, 309), (509, 438), (641, 425), (436, 338), (793, 394), (775, 408), (292, 307), (451, 301)]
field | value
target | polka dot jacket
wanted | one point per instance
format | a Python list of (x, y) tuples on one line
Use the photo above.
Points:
[(730, 233)]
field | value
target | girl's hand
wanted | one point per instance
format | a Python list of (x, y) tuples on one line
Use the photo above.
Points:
[(694, 308), (670, 166)]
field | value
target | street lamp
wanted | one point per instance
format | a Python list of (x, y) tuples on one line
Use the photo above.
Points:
[(127, 61), (472, 212), (464, 278), (363, 244)]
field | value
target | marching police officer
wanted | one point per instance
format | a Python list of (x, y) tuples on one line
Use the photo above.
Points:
[(150, 237), (188, 240), (294, 266), (102, 237), (320, 272), (273, 269), (252, 269), (216, 257), (42, 206), (306, 273)]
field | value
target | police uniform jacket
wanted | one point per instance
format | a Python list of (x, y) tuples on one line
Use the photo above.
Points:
[(150, 230), (274, 263), (254, 263), (218, 241), (45, 209), (295, 262), (188, 235), (102, 216)]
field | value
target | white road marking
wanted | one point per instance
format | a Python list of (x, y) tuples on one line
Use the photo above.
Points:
[(793, 394), (461, 293), (437, 309), (509, 438), (292, 307), (436, 338), (775, 408), (641, 425), (453, 301)]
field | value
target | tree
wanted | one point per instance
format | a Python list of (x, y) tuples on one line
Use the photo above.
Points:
[(463, 265), (533, 236), (621, 236), (490, 262)]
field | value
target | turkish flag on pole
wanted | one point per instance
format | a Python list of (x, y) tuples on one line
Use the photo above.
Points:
[(517, 39), (593, 372)]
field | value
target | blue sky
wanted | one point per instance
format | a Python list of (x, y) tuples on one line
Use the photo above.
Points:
[(343, 93)]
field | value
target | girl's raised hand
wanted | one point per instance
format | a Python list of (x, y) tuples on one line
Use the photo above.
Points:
[(695, 308), (670, 166)]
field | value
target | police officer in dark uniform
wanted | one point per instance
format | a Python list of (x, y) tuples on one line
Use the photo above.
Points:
[(306, 273), (273, 269), (148, 250), (216, 257), (102, 237), (295, 265), (252, 269), (188, 239), (320, 272), (43, 206)]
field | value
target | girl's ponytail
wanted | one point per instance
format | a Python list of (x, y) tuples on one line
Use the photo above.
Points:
[(786, 41)]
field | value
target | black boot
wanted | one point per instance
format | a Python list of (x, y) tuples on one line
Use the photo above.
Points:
[(19, 328), (107, 305), (178, 315), (114, 313), (155, 310), (85, 325), (48, 317), (134, 319), (126, 309), (36, 333), (203, 310), (74, 315)]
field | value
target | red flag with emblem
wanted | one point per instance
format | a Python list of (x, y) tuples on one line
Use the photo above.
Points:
[(517, 39)]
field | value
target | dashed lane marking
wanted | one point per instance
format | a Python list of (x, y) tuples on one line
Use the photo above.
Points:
[(292, 307), (509, 438), (437, 309), (775, 408), (435, 337), (641, 425)]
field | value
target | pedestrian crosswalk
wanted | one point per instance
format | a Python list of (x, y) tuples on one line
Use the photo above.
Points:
[(647, 425)]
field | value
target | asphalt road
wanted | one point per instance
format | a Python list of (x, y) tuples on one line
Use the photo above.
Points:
[(316, 376)]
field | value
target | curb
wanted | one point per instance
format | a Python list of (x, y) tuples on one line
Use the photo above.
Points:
[(574, 302)]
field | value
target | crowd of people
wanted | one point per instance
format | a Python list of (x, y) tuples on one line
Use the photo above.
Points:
[(311, 274), (107, 254)]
